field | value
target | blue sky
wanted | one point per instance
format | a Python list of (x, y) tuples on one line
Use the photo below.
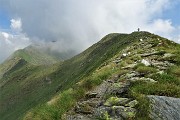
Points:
[(82, 22), (173, 13), (4, 20)]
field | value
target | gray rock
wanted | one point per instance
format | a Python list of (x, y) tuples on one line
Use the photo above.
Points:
[(94, 102), (132, 103), (130, 75), (148, 80), (115, 112), (91, 95), (83, 108), (160, 72), (101, 111), (123, 55), (125, 112), (145, 62), (164, 108), (129, 66), (102, 89), (161, 65), (133, 79), (117, 60), (167, 55), (77, 117), (118, 88), (116, 101)]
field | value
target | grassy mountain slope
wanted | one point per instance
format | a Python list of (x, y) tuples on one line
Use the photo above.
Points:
[(32, 54), (163, 75), (7, 65), (31, 85)]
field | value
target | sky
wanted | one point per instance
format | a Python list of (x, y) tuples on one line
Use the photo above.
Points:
[(77, 24)]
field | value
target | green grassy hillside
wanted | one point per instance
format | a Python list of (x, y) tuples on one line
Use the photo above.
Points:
[(31, 85), (7, 65)]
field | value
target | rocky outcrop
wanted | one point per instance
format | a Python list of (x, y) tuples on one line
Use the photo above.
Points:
[(164, 108), (105, 102)]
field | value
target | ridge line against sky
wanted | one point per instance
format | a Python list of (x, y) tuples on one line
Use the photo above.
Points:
[(75, 25)]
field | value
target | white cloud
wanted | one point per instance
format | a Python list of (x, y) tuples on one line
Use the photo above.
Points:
[(178, 39), (5, 35), (161, 27), (11, 43), (16, 24), (84, 22), (78, 24), (176, 35)]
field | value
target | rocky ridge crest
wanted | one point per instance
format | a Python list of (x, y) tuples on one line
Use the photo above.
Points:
[(111, 99)]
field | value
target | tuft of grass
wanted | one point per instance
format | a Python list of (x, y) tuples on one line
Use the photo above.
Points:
[(129, 61), (47, 112), (139, 65), (175, 70), (166, 78), (162, 89), (146, 70), (143, 106), (136, 58), (121, 72)]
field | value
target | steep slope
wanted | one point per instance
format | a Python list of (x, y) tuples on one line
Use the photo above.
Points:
[(131, 85), (32, 85)]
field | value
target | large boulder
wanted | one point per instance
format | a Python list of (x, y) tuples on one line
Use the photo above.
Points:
[(164, 108)]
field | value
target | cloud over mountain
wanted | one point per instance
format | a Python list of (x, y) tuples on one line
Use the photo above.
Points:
[(12, 40), (78, 24)]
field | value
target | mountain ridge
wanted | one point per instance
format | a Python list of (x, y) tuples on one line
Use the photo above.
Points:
[(38, 84), (114, 91)]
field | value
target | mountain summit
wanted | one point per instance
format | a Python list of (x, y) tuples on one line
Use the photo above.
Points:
[(123, 76)]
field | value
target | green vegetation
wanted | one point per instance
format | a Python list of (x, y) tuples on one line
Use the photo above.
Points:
[(49, 91), (167, 85), (32, 84), (146, 70), (67, 99), (175, 70), (112, 101)]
